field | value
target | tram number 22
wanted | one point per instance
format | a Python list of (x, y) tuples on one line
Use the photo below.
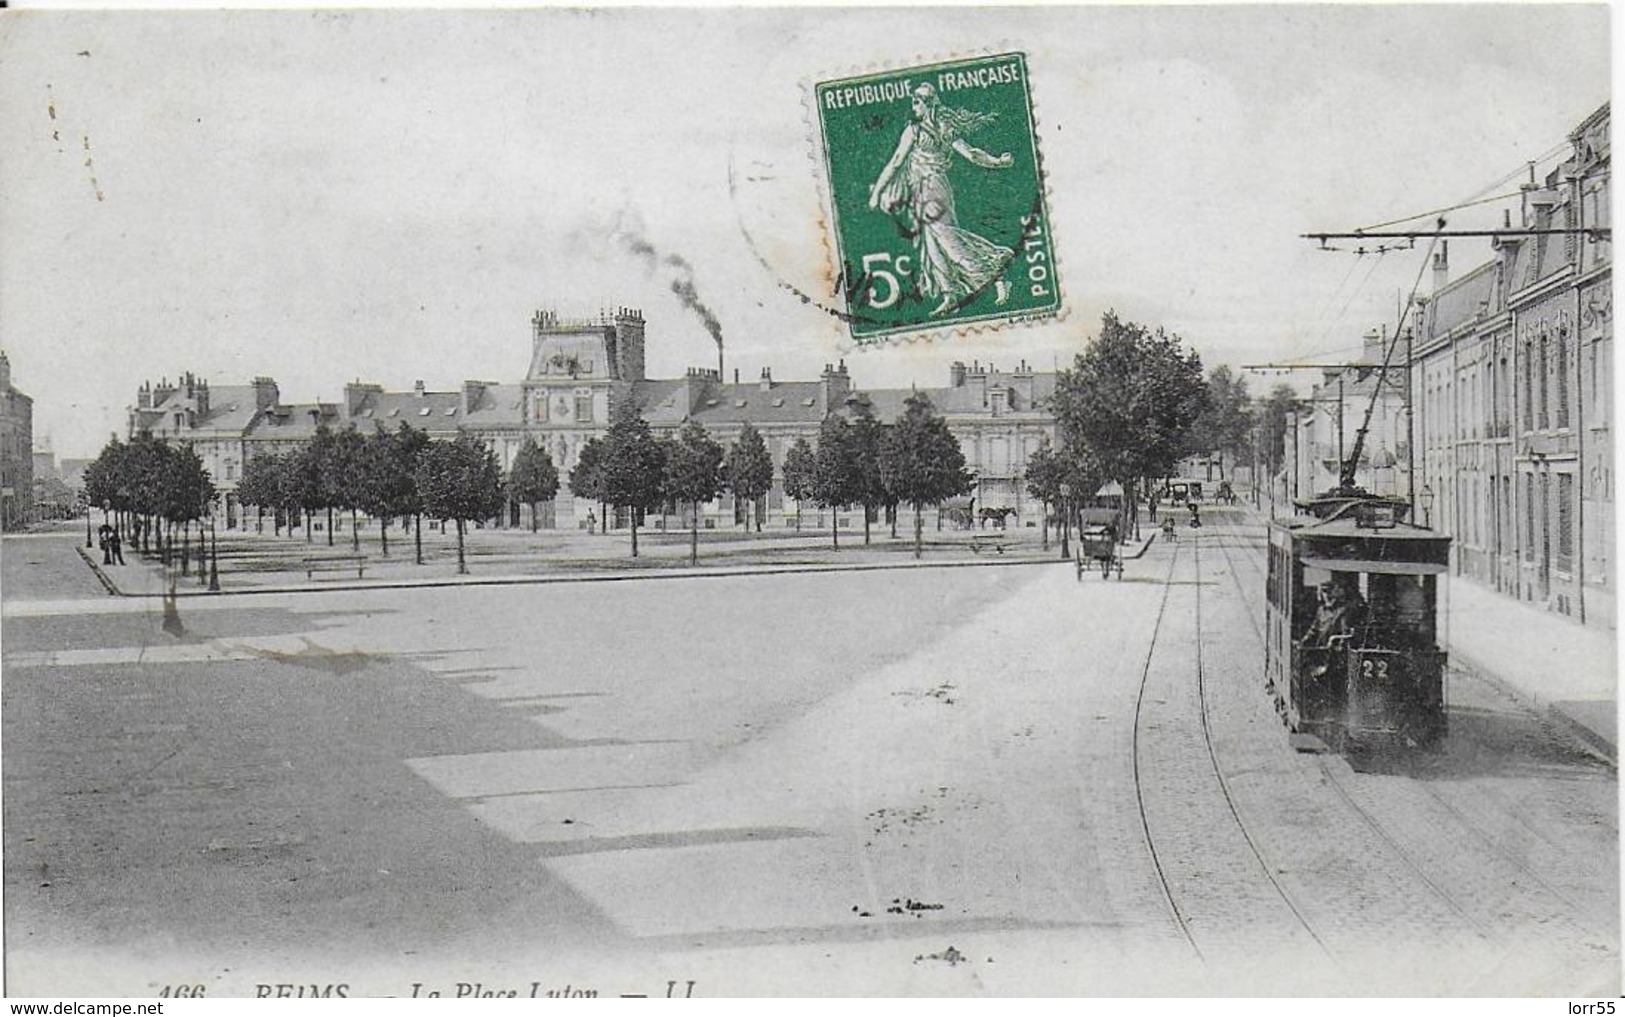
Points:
[(1374, 669), (883, 278)]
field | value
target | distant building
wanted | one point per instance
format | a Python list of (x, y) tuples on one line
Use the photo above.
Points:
[(580, 371), (54, 498), (1329, 421), (1513, 389), (16, 453)]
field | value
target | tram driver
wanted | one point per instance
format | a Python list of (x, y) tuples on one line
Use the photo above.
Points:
[(1342, 611)]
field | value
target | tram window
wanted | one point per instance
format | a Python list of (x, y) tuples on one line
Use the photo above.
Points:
[(1399, 610)]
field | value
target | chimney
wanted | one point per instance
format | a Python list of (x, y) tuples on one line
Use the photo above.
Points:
[(201, 395), (1375, 344), (266, 394), (767, 380), (355, 394), (143, 397), (472, 391), (956, 374), (417, 386), (1441, 266), (837, 386)]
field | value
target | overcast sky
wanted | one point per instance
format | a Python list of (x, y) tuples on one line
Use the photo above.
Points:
[(389, 195)]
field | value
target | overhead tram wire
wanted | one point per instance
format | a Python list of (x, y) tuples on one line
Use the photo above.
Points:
[(1436, 212), (1477, 198), (1338, 291), (1352, 294)]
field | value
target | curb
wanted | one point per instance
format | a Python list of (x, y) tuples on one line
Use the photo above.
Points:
[(1593, 740), (591, 577), (101, 576)]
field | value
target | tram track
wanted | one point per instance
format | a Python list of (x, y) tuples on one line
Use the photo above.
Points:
[(1237, 884), (1139, 785), (1520, 875)]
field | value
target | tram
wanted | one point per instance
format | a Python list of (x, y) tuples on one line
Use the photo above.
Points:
[(1352, 652)]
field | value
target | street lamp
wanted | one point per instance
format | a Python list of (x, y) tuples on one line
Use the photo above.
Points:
[(1066, 519), (1426, 497), (88, 544), (214, 558)]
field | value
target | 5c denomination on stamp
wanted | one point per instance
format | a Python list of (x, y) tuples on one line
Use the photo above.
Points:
[(937, 197)]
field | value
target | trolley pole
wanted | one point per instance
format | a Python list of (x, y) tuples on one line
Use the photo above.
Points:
[(1410, 423)]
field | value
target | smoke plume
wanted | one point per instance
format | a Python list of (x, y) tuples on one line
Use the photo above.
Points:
[(678, 273)]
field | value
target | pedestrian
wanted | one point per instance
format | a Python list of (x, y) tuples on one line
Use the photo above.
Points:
[(115, 549), (592, 520), (102, 536), (1153, 506)]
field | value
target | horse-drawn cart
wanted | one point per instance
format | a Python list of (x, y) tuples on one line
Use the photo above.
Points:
[(1097, 543)]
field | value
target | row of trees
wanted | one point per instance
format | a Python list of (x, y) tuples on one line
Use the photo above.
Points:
[(1135, 403), (403, 475), (153, 491), (915, 461), (389, 475)]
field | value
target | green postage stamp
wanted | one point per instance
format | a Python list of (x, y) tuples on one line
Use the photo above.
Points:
[(937, 197)]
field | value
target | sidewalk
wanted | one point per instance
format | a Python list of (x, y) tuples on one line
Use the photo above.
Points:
[(1567, 669)]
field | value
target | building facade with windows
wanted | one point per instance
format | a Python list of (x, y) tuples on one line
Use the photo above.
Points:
[(1512, 387), (581, 370), (16, 453)]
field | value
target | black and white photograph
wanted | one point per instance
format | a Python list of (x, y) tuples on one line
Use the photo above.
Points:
[(705, 502)]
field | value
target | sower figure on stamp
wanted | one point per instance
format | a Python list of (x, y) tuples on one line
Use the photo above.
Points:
[(954, 263)]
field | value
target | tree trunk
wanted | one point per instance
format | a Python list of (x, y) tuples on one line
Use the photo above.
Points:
[(309, 538), (462, 565), (866, 526), (259, 518), (533, 513), (634, 533), (603, 518), (694, 536), (919, 524), (835, 527), (355, 534), (798, 515), (1044, 522), (186, 548), (418, 519), (383, 534), (894, 522), (1066, 529), (329, 526)]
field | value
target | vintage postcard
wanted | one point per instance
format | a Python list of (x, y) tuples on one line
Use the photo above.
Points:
[(1100, 501)]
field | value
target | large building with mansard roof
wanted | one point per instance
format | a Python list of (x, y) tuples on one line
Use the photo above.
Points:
[(580, 370), (1512, 384)]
